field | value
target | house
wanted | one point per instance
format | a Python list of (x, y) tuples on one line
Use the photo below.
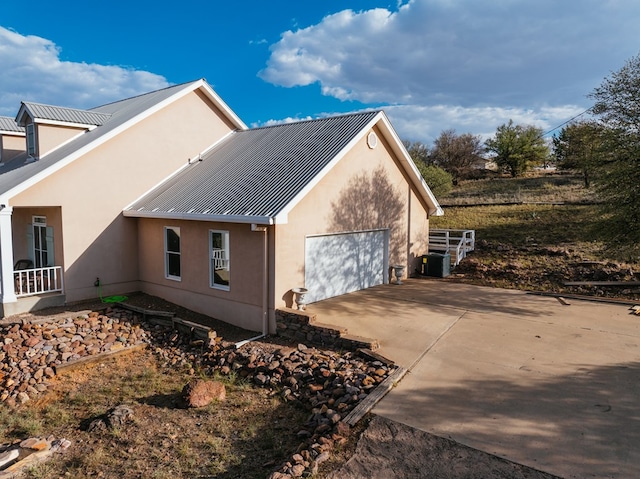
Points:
[(169, 193)]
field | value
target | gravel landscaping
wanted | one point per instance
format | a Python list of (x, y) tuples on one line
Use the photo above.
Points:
[(328, 384)]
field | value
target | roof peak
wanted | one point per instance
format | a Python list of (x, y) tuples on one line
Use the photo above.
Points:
[(371, 113), (176, 86), (52, 113)]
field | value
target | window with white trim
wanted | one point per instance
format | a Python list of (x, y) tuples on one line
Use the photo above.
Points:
[(42, 238), (172, 253), (31, 139), (219, 259)]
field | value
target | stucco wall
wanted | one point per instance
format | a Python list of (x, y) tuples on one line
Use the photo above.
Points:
[(11, 146), (365, 190), (418, 234), (242, 305), (52, 136), (93, 190)]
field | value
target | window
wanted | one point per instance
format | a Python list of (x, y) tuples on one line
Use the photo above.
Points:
[(31, 140), (172, 252), (42, 237), (219, 259)]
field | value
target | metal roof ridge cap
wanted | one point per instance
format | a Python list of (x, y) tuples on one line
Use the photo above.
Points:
[(311, 120), (218, 142), (25, 107)]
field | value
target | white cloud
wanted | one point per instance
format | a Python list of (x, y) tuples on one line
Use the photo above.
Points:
[(273, 122), (33, 71), (516, 58), (425, 123)]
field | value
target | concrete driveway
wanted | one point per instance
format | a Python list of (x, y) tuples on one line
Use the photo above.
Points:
[(551, 386)]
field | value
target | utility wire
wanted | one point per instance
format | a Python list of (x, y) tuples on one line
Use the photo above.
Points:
[(568, 121)]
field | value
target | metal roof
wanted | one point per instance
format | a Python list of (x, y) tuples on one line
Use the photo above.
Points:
[(9, 125), (38, 111), (17, 172), (252, 175)]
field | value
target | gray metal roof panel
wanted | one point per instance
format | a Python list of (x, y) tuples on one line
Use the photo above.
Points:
[(40, 111), (16, 172), (8, 124), (255, 172)]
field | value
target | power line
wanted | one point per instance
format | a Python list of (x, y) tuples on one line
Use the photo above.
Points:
[(568, 121)]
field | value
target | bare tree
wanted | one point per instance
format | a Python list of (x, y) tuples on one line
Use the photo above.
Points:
[(419, 152), (457, 154)]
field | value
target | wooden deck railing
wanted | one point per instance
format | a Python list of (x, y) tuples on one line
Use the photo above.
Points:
[(455, 242), (33, 281)]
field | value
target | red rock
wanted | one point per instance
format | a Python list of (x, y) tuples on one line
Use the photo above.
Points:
[(32, 341), (199, 392), (35, 443)]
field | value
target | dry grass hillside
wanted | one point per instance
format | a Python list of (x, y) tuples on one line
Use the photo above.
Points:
[(537, 233)]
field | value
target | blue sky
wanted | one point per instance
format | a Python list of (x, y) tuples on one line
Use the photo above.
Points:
[(431, 65)]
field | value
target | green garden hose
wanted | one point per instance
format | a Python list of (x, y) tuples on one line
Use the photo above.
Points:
[(110, 299)]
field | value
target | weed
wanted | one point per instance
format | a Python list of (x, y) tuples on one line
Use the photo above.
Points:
[(39, 471)]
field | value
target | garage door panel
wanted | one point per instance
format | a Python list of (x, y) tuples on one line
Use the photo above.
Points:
[(340, 264)]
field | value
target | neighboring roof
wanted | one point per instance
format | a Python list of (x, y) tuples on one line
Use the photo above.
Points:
[(16, 175), (58, 114), (258, 175), (9, 125)]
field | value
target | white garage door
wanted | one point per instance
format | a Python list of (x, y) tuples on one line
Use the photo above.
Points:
[(341, 263)]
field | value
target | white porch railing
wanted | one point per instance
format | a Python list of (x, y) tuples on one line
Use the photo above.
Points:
[(38, 281), (455, 242), (218, 257)]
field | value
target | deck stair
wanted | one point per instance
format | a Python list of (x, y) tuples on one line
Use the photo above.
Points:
[(458, 243)]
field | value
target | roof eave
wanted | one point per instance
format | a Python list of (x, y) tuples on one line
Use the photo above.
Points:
[(219, 102), (70, 124), (398, 147), (245, 219)]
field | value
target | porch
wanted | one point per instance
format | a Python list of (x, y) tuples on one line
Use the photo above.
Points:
[(31, 281), (35, 289), (458, 243)]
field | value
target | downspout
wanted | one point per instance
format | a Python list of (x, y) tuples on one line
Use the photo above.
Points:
[(265, 286)]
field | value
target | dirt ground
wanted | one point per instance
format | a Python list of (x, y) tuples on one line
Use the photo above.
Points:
[(390, 450), (378, 448), (385, 449)]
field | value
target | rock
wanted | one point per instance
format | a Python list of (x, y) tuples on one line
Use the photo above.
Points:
[(117, 417), (120, 415), (260, 379), (36, 443), (200, 393), (297, 470), (32, 341)]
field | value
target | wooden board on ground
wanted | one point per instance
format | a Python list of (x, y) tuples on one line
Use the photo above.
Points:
[(72, 365), (372, 399)]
